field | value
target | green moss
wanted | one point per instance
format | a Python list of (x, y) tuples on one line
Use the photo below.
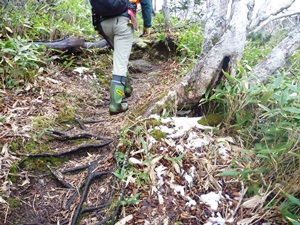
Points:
[(13, 203), (13, 172), (40, 164), (153, 123), (158, 135), (211, 119)]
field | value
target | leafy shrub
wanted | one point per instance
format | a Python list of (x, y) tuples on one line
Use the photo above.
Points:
[(190, 42), (46, 20), (20, 61)]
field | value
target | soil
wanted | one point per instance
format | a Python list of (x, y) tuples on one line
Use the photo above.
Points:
[(33, 195)]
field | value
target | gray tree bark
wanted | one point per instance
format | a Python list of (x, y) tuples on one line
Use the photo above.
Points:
[(223, 46), (190, 9), (166, 13), (278, 56)]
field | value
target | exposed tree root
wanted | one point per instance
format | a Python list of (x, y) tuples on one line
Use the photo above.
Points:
[(92, 174), (70, 151)]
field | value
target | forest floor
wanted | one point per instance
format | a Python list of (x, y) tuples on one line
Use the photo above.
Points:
[(171, 180)]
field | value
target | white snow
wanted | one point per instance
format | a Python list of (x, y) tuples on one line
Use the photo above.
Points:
[(160, 170), (212, 199), (218, 220), (181, 125), (188, 178)]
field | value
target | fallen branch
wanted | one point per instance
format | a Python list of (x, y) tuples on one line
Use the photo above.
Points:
[(62, 136), (73, 44)]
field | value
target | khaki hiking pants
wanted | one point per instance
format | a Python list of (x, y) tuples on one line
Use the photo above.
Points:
[(120, 35)]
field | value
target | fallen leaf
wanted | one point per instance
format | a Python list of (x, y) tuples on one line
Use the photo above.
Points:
[(2, 200), (253, 202), (124, 220), (133, 160)]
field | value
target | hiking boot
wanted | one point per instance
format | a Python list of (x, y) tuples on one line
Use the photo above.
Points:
[(128, 88), (116, 96)]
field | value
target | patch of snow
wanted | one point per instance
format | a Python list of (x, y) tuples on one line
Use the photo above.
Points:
[(188, 178), (80, 70), (191, 201), (179, 148), (160, 170), (178, 189), (193, 171), (212, 199), (219, 220), (200, 155), (181, 125), (223, 151), (152, 140), (165, 129)]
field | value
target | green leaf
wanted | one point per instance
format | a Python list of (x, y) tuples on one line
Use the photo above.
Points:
[(230, 78), (283, 98), (266, 96), (144, 146), (293, 199), (291, 217), (292, 110), (229, 173), (264, 107)]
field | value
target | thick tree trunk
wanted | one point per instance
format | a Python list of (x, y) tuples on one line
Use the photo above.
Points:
[(278, 56), (268, 9), (215, 24), (223, 46), (190, 9), (223, 55)]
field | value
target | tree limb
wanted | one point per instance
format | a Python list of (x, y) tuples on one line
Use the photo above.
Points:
[(272, 18), (269, 9)]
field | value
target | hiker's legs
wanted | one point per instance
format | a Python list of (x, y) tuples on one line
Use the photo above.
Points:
[(123, 40), (120, 33), (123, 43)]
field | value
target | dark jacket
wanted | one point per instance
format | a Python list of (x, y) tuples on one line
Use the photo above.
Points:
[(146, 12)]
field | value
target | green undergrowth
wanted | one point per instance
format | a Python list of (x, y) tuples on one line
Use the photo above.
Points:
[(47, 20), (267, 118)]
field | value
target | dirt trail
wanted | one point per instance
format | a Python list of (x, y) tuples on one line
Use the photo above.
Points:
[(36, 197)]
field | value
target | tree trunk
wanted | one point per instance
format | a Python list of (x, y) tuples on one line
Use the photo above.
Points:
[(165, 10), (268, 9), (222, 56), (190, 9), (215, 25), (278, 56), (223, 46)]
